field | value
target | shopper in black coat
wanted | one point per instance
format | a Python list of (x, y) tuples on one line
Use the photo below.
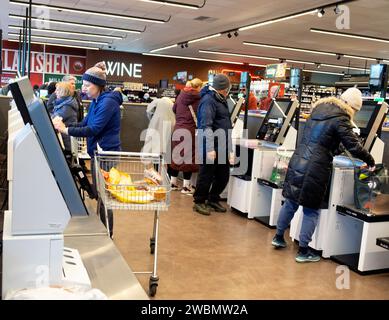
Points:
[(310, 168)]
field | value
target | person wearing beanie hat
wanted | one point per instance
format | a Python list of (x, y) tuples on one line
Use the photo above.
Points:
[(309, 171), (100, 126), (214, 136)]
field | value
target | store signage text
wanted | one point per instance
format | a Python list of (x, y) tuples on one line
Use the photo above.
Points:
[(43, 63), (121, 69)]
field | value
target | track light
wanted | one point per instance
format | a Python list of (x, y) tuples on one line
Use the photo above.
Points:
[(339, 56), (318, 65), (282, 60), (321, 12), (182, 46), (337, 10), (229, 35), (349, 35), (186, 45), (236, 33)]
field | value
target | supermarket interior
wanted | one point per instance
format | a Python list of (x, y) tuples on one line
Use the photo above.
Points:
[(194, 150)]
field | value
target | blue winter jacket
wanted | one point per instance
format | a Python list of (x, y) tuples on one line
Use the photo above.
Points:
[(214, 121), (102, 123), (67, 108)]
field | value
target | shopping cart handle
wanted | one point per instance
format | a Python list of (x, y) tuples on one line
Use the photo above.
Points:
[(131, 154)]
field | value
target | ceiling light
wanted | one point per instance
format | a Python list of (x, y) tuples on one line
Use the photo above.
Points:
[(318, 65), (358, 57), (68, 32), (349, 35), (257, 65), (175, 4), (337, 10), (324, 72), (260, 24), (164, 48), (237, 55), (88, 12), (76, 24), (321, 13), (205, 38), (288, 48), (339, 56), (186, 45), (229, 35), (342, 67), (236, 33), (190, 58), (63, 39), (182, 46), (59, 45)]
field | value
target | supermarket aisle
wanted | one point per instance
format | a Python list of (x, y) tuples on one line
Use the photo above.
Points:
[(226, 256)]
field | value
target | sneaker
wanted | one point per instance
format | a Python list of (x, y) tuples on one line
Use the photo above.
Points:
[(216, 206), (201, 208), (309, 256), (188, 191), (174, 187), (279, 242)]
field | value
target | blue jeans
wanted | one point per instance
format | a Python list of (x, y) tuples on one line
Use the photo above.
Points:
[(308, 225)]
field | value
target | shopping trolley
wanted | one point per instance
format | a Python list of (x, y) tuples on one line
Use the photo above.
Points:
[(134, 194)]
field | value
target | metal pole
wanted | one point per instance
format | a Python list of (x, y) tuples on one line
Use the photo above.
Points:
[(246, 111), (25, 42), (29, 38), (23, 48), (20, 53)]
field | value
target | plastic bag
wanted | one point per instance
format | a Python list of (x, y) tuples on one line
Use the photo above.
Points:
[(371, 190), (56, 293), (280, 166)]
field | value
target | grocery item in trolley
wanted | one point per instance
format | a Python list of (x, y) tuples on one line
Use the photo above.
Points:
[(121, 186)]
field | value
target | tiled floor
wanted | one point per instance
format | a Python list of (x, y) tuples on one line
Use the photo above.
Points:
[(226, 256)]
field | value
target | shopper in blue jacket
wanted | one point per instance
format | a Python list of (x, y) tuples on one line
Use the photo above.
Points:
[(214, 135), (102, 123)]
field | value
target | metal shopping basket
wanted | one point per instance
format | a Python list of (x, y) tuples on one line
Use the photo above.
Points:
[(135, 196)]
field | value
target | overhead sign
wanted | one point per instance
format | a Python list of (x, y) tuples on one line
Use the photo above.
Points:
[(45, 62), (121, 69), (276, 71)]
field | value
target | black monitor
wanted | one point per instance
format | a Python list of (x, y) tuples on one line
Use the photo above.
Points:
[(377, 76), (274, 120), (37, 115), (369, 120)]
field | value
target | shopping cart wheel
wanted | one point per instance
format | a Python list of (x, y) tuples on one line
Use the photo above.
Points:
[(153, 284), (152, 245)]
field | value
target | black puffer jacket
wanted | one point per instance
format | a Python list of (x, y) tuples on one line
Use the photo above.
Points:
[(309, 169)]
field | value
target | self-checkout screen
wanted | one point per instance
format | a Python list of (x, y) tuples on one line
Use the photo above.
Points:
[(43, 126), (363, 116)]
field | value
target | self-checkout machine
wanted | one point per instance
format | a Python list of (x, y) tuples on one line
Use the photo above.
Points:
[(44, 197), (251, 190), (354, 232)]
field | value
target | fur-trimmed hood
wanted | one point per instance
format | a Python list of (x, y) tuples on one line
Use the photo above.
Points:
[(338, 103)]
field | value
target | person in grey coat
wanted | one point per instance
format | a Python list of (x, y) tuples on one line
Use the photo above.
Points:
[(66, 107)]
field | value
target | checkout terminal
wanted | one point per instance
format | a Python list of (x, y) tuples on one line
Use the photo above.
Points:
[(257, 158), (44, 198), (344, 233)]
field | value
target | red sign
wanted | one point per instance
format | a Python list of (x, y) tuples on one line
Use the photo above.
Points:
[(42, 62)]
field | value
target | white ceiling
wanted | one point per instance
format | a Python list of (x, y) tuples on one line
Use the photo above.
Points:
[(368, 17)]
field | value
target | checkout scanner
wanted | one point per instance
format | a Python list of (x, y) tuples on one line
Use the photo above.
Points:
[(344, 233), (43, 198), (257, 157)]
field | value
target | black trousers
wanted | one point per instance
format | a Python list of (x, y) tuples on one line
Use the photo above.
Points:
[(100, 204), (211, 181)]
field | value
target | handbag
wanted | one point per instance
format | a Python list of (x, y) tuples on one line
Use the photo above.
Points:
[(194, 117)]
